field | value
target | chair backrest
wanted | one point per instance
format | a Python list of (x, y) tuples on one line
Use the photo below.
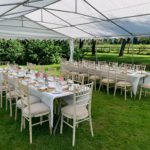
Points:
[(78, 78), (52, 71), (113, 65), (24, 93), (82, 97), (33, 67), (16, 83), (121, 76), (66, 75), (5, 80), (41, 68), (140, 67)]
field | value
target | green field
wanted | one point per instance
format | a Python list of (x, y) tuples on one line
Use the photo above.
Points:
[(117, 124)]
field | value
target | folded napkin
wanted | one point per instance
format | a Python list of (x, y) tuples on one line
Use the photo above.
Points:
[(70, 81), (63, 83), (65, 87)]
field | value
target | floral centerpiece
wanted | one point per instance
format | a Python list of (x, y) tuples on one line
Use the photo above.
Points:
[(37, 75)]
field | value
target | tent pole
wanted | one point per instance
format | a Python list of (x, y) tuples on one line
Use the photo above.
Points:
[(71, 44), (132, 50)]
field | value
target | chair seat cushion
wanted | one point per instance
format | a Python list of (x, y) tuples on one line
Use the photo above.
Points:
[(94, 77), (13, 94), (123, 84), (147, 86), (36, 109), (74, 73), (33, 99), (105, 80), (2, 88), (84, 74), (81, 111)]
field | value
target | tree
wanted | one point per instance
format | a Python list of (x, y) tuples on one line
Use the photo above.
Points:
[(122, 48), (81, 42), (93, 47)]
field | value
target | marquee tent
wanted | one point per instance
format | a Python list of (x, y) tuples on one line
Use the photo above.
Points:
[(74, 18)]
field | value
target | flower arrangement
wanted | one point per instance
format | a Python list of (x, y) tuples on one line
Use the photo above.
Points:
[(45, 75), (37, 75), (61, 78)]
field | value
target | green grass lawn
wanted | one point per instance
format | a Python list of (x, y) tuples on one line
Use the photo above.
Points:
[(118, 124)]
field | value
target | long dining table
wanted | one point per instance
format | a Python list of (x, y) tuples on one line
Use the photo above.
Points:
[(37, 87), (133, 76)]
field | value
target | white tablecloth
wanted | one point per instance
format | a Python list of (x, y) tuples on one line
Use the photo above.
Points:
[(47, 98), (135, 78)]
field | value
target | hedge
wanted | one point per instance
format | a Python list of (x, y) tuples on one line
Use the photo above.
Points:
[(35, 51)]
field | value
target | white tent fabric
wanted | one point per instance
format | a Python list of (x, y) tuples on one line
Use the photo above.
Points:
[(22, 27), (77, 18)]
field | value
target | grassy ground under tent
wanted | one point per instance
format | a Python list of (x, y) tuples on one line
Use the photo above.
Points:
[(118, 124)]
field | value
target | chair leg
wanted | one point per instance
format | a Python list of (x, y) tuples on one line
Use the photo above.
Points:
[(30, 129), (121, 91), (41, 119), (74, 133), (6, 103), (131, 92), (95, 84), (49, 120), (125, 93), (91, 126), (24, 123), (16, 111), (21, 126), (1, 99), (10, 102), (100, 86), (140, 94), (107, 89), (61, 124), (115, 90)]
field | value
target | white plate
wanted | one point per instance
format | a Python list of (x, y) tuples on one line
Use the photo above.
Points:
[(56, 92), (43, 88)]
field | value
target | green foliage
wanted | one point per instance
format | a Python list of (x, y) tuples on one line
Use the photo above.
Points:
[(79, 54), (35, 51), (11, 50)]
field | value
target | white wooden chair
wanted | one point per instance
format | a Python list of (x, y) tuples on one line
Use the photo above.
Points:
[(79, 111), (32, 110), (11, 94), (93, 76), (145, 88), (33, 99), (52, 71), (140, 68), (107, 80), (122, 83), (84, 71), (3, 88)]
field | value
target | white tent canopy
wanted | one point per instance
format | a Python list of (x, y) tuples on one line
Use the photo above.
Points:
[(74, 18), (22, 27)]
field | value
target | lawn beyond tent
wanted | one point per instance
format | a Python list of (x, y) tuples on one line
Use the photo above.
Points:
[(117, 124)]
